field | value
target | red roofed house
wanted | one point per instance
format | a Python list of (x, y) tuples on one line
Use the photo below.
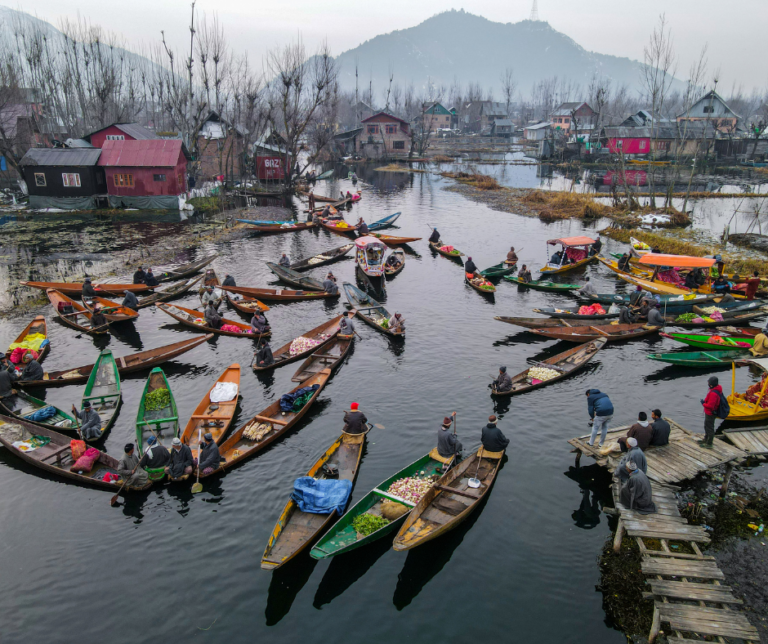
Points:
[(384, 135), (119, 132), (148, 174)]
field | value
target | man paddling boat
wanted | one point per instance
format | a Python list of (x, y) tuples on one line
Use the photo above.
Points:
[(434, 238), (448, 445), (129, 468), (511, 257), (90, 422), (210, 459), (355, 420), (264, 357), (503, 382), (346, 326)]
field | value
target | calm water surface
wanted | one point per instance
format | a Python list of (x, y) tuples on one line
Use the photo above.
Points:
[(171, 566)]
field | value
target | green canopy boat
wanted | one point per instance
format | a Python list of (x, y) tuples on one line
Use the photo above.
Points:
[(499, 270), (103, 390), (543, 285), (342, 537), (736, 342), (157, 417), (700, 359)]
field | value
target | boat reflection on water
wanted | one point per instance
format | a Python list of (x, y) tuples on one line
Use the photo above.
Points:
[(287, 581)]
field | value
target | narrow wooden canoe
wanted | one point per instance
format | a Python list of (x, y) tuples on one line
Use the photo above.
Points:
[(80, 320), (698, 359), (238, 447), (456, 255), (162, 423), (384, 222), (125, 364), (610, 332), (169, 292), (103, 390), (555, 270), (566, 364), (275, 229), (295, 279), (688, 300), (25, 405), (246, 305), (532, 323), (113, 311), (329, 358), (333, 226), (76, 288), (369, 310), (450, 501), (543, 285), (572, 313), (296, 529), (185, 270), (499, 270), (342, 537), (321, 259), (326, 332), (188, 316), (654, 286), (213, 418), (36, 326), (487, 292), (56, 457), (737, 307), (633, 268), (278, 295), (733, 320), (734, 341), (391, 272), (392, 240)]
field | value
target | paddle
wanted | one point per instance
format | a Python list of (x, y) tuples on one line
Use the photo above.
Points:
[(77, 420), (113, 500), (198, 487), (474, 482)]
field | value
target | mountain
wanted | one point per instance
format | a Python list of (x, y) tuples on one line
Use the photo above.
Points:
[(470, 48)]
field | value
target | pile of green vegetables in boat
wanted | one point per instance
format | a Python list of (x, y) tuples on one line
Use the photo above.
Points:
[(157, 399)]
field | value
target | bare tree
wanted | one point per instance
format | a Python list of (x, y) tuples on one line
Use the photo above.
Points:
[(508, 87)]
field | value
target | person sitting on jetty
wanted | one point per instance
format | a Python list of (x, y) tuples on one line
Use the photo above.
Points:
[(139, 276), (181, 460), (492, 437), (88, 290), (346, 326), (636, 455), (131, 301), (97, 318), (434, 238), (587, 289), (264, 357), (511, 256), (503, 382), (259, 324), (362, 228), (210, 458), (636, 493), (212, 317), (397, 323), (284, 261), (448, 445), (626, 316), (624, 263), (600, 409), (129, 469), (470, 268), (525, 275), (355, 420), (641, 431), (229, 280), (90, 422), (32, 368), (150, 279), (655, 318), (330, 285), (661, 429), (155, 456)]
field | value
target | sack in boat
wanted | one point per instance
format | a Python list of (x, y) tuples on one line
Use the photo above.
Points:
[(86, 461), (78, 448), (231, 328), (392, 510), (447, 249)]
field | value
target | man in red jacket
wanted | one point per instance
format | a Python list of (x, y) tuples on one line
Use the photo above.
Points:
[(711, 404)]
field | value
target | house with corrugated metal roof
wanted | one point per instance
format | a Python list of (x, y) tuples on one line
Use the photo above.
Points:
[(712, 108), (147, 174), (119, 132), (564, 115), (63, 178)]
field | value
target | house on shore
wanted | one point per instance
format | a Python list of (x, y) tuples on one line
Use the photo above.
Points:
[(502, 127), (572, 115), (713, 109), (269, 155), (119, 132), (64, 178), (383, 135), (537, 132), (220, 149), (436, 117)]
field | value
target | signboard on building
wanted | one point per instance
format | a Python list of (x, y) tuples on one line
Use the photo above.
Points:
[(270, 168)]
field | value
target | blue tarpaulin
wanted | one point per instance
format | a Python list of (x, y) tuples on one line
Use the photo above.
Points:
[(287, 400), (44, 413), (321, 496)]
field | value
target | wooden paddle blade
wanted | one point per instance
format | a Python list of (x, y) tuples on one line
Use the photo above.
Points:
[(113, 500), (377, 426), (197, 488)]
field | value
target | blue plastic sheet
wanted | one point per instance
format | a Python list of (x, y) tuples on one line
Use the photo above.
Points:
[(44, 413), (322, 496)]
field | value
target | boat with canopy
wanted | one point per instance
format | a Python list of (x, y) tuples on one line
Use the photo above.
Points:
[(574, 254), (752, 405), (370, 256)]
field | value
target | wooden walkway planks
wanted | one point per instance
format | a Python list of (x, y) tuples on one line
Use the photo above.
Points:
[(752, 441)]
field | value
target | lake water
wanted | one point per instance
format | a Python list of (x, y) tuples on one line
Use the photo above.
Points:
[(169, 566)]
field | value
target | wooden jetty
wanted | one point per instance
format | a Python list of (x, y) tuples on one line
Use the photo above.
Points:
[(753, 440)]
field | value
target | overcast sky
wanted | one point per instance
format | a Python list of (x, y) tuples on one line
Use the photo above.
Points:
[(734, 31)]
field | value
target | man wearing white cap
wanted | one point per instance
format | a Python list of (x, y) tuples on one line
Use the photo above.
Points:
[(181, 460), (635, 455), (636, 493)]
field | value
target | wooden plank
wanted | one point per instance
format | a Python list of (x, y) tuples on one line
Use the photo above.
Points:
[(693, 591), (706, 626), (677, 555), (667, 535), (675, 568), (686, 611)]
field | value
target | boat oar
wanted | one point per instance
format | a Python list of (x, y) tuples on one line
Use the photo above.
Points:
[(113, 500), (198, 487), (474, 482), (77, 421)]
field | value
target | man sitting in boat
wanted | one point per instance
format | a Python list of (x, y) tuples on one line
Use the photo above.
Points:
[(503, 382), (211, 296), (362, 227), (181, 462), (525, 275), (88, 291), (355, 420), (330, 285), (32, 368), (556, 258), (655, 318), (326, 212), (155, 456), (129, 469), (212, 317), (346, 326), (259, 324), (760, 347), (626, 316), (150, 279), (720, 285), (636, 297), (90, 422), (228, 280), (690, 281), (661, 429), (492, 438), (264, 356), (470, 269), (595, 248), (210, 459), (434, 238), (397, 323), (97, 318), (139, 276), (130, 300), (448, 445), (285, 262), (587, 289), (624, 263), (636, 493), (393, 261), (8, 376), (511, 256)]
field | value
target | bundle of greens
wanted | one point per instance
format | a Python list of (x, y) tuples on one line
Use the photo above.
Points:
[(157, 399), (686, 317), (366, 524)]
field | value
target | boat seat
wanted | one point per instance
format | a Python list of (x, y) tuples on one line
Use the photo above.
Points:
[(435, 456), (57, 453)]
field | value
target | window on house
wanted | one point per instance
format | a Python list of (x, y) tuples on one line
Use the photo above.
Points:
[(115, 137), (123, 180), (398, 145), (373, 129), (709, 109), (642, 145), (158, 177), (71, 180), (40, 179), (391, 129)]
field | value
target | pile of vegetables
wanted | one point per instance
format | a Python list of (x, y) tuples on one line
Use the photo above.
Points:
[(318, 259), (384, 323), (157, 399), (487, 286), (686, 317), (542, 373), (299, 345), (411, 488), (256, 431), (366, 524), (711, 309)]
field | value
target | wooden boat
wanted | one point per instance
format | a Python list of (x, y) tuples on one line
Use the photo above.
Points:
[(213, 418), (532, 323), (737, 307), (698, 359), (339, 226), (582, 243), (342, 537), (283, 354), (488, 291), (543, 285), (449, 501), (637, 248), (572, 313), (80, 320), (185, 270), (76, 288), (246, 305), (296, 529), (103, 390), (611, 332), (369, 256), (277, 295), (663, 288), (455, 255), (734, 320), (25, 405), (499, 270), (659, 261), (681, 301), (330, 357), (113, 311), (188, 316), (391, 240), (125, 364), (369, 310), (735, 339), (633, 269), (36, 326), (389, 271), (275, 423), (566, 364), (277, 228), (295, 279), (162, 423), (743, 408), (321, 259), (169, 292), (56, 456), (211, 279), (384, 222)]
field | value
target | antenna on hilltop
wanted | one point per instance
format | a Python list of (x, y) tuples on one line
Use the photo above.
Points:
[(535, 11)]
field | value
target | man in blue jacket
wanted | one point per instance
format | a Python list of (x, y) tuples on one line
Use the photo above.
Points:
[(600, 410)]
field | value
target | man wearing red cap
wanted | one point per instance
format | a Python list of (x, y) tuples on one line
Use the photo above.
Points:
[(355, 420), (447, 443)]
